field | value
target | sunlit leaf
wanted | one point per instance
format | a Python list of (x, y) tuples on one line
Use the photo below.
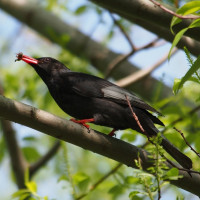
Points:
[(188, 8), (176, 40), (132, 180), (24, 196), (20, 192), (128, 136), (172, 174), (194, 24), (133, 195), (176, 85), (32, 186)]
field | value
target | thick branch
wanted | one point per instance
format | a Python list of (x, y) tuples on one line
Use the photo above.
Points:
[(148, 12), (97, 142)]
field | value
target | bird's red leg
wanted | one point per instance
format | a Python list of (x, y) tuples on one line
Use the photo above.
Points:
[(112, 133), (83, 122)]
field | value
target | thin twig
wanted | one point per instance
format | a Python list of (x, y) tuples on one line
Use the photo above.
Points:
[(93, 187), (123, 31), (120, 58), (43, 160), (182, 169), (134, 115), (191, 112), (116, 62), (128, 80), (179, 131), (188, 114), (173, 13), (157, 171)]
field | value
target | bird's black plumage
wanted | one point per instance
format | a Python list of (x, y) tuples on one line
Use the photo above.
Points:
[(85, 96)]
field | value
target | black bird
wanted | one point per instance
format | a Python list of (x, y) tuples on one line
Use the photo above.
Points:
[(92, 99)]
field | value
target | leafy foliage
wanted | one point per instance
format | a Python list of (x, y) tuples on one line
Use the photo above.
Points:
[(189, 8), (30, 193), (191, 75)]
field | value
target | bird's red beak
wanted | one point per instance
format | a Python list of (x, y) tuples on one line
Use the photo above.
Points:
[(26, 59)]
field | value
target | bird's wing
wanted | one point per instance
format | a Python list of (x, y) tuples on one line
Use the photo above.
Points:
[(92, 86)]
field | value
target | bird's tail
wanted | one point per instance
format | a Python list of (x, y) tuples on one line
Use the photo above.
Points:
[(181, 158)]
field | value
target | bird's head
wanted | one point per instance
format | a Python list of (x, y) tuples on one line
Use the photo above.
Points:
[(44, 66)]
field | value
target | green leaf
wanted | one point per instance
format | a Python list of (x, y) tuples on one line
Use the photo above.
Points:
[(188, 8), (190, 72), (189, 58), (194, 79), (117, 189), (31, 153), (172, 174), (194, 24), (63, 178), (175, 20), (25, 196), (32, 186), (20, 192), (176, 40), (80, 10), (176, 85), (81, 179), (133, 195), (132, 180), (128, 137)]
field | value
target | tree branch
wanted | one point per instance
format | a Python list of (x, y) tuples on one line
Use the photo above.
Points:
[(44, 159), (96, 142), (94, 186), (141, 74), (148, 12), (173, 13)]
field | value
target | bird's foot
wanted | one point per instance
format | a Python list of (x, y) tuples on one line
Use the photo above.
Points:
[(112, 133), (83, 122)]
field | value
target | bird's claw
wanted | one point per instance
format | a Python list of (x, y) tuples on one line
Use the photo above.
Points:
[(112, 133), (82, 122)]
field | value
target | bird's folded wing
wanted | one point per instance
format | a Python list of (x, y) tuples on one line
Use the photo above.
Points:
[(91, 86)]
